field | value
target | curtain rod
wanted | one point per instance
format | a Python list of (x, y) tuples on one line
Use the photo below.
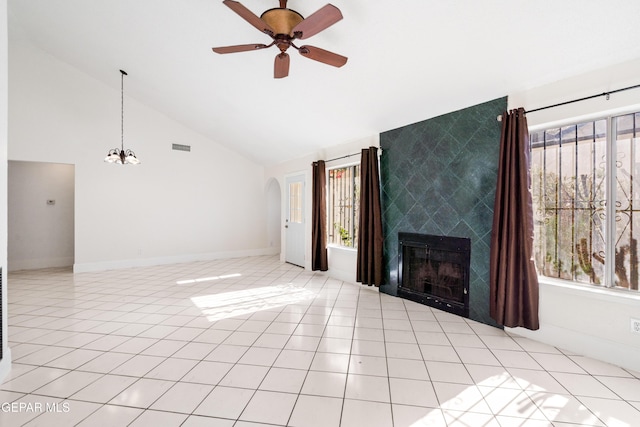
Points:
[(351, 155), (343, 157), (580, 99), (337, 158)]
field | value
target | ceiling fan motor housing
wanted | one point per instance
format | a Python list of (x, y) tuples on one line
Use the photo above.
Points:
[(282, 20)]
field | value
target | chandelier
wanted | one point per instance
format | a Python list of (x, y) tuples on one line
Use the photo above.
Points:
[(120, 155)]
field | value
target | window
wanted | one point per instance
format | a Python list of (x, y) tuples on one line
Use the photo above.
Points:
[(342, 205), (586, 201)]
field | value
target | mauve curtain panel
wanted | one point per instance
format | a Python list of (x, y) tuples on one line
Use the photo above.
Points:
[(319, 218), (512, 275), (369, 268)]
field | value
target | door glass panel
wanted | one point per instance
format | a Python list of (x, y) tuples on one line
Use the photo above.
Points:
[(295, 202)]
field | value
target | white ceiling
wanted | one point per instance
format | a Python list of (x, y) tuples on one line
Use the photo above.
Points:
[(408, 60)]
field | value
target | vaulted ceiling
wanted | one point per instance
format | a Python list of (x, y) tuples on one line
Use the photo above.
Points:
[(408, 60)]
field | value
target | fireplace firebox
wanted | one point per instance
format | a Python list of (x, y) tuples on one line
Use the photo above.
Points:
[(434, 270)]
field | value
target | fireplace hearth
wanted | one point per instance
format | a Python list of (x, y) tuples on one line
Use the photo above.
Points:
[(434, 270)]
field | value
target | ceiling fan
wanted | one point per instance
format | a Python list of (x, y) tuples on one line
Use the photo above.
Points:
[(284, 26)]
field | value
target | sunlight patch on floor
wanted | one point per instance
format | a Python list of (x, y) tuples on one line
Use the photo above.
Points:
[(236, 303), (207, 279), (529, 404)]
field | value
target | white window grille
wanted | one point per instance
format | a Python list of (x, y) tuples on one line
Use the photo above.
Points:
[(586, 201), (342, 205)]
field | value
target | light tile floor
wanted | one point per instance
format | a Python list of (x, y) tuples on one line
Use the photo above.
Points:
[(253, 342)]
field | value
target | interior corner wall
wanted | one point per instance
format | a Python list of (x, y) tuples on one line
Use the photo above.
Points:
[(5, 353), (439, 177), (175, 206), (41, 209)]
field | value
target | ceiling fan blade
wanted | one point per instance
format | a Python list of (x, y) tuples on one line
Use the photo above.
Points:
[(239, 48), (249, 16), (322, 55), (317, 21), (281, 66)]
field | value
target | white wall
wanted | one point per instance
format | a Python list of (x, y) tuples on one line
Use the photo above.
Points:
[(584, 85), (40, 234), (342, 262), (587, 320), (5, 363), (175, 206)]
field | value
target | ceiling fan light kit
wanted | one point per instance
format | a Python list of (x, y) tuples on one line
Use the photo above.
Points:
[(284, 26), (282, 20)]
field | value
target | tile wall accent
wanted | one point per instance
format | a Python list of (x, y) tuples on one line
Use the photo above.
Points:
[(438, 177)]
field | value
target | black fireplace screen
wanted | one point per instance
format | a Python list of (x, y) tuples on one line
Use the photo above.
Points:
[(434, 270)]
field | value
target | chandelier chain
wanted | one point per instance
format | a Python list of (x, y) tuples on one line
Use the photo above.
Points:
[(121, 110), (120, 156)]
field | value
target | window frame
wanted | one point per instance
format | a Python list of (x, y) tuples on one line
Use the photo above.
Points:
[(609, 116), (330, 226)]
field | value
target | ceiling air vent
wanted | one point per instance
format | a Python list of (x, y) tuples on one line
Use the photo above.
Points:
[(180, 147)]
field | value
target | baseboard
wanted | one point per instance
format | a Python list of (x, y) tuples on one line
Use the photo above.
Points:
[(342, 263), (612, 352), (175, 259), (5, 364), (345, 276), (35, 264)]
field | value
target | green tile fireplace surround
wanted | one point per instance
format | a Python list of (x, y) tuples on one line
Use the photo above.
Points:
[(438, 177)]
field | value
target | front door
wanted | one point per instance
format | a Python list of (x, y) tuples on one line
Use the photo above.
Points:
[(294, 221)]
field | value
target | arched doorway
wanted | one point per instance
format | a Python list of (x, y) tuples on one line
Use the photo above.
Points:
[(273, 196)]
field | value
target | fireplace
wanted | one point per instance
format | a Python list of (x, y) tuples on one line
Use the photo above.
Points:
[(434, 270)]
